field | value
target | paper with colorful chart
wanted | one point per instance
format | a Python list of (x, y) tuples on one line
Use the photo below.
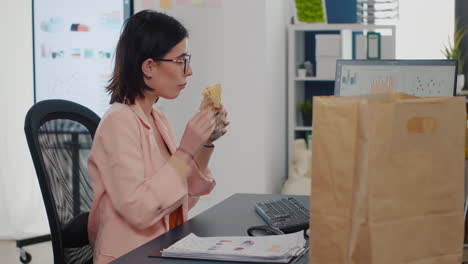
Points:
[(273, 247)]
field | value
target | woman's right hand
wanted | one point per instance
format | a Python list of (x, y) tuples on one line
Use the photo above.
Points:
[(197, 131)]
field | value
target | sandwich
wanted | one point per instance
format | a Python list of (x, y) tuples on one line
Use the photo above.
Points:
[(211, 97)]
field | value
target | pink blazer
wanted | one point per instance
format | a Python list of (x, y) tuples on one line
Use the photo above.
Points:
[(134, 188)]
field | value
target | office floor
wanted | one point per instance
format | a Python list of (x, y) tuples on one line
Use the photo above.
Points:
[(41, 253)]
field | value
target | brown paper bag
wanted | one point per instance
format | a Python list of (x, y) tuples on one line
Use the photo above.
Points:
[(387, 180)]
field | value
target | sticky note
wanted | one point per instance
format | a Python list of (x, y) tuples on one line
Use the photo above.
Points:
[(165, 3), (214, 3), (147, 4), (199, 3), (181, 2)]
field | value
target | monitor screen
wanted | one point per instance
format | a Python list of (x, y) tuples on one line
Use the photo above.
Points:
[(415, 77), (74, 43)]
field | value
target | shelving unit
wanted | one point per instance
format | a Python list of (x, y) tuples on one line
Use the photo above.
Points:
[(301, 47), (311, 79)]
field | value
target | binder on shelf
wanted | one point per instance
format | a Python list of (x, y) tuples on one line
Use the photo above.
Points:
[(387, 47), (373, 46)]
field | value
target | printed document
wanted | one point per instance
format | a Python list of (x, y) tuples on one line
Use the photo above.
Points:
[(268, 249)]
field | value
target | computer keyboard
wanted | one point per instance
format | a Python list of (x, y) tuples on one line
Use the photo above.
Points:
[(286, 214)]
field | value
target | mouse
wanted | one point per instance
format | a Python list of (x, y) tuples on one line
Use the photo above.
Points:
[(263, 230)]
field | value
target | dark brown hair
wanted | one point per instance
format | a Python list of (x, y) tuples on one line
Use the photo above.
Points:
[(147, 34)]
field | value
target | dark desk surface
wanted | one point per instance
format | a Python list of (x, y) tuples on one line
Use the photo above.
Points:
[(230, 217)]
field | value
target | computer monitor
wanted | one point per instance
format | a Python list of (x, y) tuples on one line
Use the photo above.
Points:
[(415, 77)]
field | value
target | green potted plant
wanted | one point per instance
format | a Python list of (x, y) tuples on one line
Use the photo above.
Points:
[(306, 110), (310, 11), (454, 51)]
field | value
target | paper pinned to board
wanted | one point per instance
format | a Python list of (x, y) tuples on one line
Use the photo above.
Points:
[(198, 3), (214, 3), (267, 249), (147, 4), (182, 2), (165, 4)]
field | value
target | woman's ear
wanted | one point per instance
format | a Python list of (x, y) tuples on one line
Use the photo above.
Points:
[(148, 68)]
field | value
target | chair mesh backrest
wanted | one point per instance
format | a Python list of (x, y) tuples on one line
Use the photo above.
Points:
[(65, 145)]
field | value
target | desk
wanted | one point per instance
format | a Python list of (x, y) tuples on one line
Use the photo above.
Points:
[(230, 217)]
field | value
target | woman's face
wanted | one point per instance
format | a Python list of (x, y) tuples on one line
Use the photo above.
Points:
[(167, 78)]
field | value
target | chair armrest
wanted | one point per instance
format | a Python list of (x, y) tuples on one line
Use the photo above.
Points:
[(75, 232)]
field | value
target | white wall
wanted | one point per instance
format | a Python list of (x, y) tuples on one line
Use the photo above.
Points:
[(21, 208), (424, 28)]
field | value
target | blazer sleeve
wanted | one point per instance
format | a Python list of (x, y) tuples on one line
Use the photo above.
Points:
[(117, 158), (199, 182)]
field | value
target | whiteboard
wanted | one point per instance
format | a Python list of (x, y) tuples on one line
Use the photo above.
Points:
[(415, 77), (74, 44)]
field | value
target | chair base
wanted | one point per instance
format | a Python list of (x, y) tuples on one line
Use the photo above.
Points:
[(25, 257)]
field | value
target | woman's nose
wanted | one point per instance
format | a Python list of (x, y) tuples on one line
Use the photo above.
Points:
[(189, 71)]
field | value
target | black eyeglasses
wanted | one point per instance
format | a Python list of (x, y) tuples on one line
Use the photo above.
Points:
[(185, 59)]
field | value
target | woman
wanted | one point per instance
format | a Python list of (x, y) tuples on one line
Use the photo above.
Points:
[(143, 183)]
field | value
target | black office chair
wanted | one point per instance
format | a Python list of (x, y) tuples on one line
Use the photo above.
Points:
[(59, 135)]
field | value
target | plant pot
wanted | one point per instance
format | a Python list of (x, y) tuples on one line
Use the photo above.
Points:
[(301, 73), (460, 82), (307, 119)]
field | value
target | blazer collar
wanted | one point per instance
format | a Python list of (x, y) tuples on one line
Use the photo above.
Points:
[(164, 130), (136, 108), (160, 125)]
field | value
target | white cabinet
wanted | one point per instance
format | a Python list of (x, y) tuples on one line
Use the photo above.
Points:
[(323, 44)]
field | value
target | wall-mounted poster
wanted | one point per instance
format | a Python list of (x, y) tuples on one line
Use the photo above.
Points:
[(74, 44)]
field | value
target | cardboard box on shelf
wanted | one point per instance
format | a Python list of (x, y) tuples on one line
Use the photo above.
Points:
[(328, 45), (326, 67)]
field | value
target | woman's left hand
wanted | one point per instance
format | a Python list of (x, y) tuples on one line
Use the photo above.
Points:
[(221, 125)]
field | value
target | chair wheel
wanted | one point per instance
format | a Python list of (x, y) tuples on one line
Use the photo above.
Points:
[(26, 259)]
